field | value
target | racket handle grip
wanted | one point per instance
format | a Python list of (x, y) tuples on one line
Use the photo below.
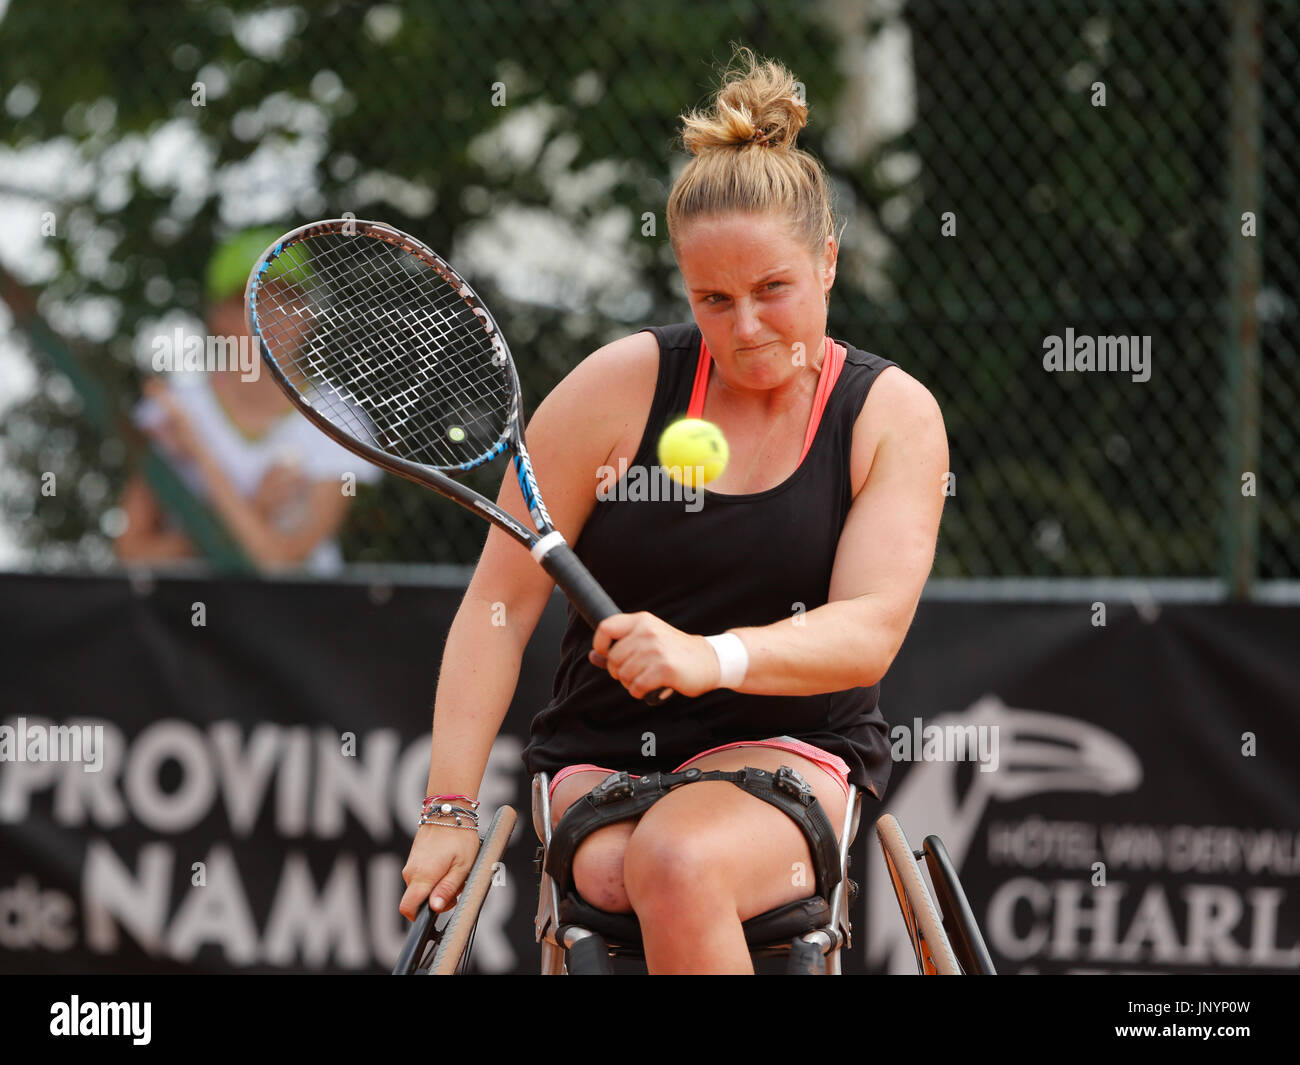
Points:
[(587, 596)]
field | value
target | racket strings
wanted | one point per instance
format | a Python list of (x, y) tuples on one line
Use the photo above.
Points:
[(385, 348), (421, 319)]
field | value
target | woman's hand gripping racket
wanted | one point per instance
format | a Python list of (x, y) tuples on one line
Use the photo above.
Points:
[(389, 351)]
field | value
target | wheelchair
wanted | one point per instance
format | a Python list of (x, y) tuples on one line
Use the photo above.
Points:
[(578, 939)]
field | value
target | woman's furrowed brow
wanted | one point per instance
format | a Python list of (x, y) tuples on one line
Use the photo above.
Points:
[(767, 275)]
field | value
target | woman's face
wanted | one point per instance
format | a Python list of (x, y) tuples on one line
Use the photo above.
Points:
[(758, 296)]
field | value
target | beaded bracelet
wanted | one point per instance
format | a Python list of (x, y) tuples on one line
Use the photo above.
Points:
[(472, 803), (429, 812), (444, 824)]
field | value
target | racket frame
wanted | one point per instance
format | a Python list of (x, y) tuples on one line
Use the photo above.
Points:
[(546, 544), (432, 477)]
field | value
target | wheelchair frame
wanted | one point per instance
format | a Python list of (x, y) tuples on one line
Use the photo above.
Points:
[(945, 937)]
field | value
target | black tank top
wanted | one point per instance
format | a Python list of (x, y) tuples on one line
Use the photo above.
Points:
[(704, 567)]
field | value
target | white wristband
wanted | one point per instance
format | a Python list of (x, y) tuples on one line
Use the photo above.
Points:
[(733, 659)]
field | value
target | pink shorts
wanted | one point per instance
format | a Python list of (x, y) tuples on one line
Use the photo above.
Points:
[(831, 763)]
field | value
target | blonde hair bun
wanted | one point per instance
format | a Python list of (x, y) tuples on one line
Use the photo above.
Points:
[(758, 104), (744, 157)]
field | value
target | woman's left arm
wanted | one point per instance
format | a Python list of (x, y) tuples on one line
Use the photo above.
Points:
[(884, 555)]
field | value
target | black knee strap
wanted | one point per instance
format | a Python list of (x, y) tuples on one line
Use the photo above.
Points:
[(621, 796)]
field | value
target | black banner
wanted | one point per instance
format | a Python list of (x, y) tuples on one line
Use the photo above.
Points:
[(224, 777)]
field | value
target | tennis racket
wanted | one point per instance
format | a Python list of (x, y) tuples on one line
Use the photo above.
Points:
[(390, 353)]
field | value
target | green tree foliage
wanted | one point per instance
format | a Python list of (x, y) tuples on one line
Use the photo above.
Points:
[(533, 129), (441, 118)]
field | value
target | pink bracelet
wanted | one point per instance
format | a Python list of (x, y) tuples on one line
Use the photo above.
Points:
[(432, 799)]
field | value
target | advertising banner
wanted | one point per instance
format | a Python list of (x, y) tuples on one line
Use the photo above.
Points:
[(225, 777)]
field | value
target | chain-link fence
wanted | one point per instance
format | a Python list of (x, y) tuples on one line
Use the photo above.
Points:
[(1074, 222)]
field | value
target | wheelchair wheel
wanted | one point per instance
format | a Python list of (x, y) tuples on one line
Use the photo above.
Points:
[(958, 917), (450, 943), (934, 954)]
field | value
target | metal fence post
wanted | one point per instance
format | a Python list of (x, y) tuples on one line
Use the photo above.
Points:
[(1241, 511)]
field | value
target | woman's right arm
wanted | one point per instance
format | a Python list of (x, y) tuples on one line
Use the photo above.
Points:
[(569, 438)]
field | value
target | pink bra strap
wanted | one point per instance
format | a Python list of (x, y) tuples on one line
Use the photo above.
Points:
[(832, 364)]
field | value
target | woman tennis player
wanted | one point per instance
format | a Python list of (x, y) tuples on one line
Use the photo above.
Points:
[(807, 558)]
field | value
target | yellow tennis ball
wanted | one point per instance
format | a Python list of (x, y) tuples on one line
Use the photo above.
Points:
[(689, 443)]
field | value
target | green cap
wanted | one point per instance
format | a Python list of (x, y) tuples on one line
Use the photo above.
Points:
[(234, 258)]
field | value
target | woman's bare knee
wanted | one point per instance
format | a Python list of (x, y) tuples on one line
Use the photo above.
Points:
[(710, 848), (677, 866)]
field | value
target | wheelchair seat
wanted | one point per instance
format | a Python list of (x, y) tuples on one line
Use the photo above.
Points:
[(622, 931)]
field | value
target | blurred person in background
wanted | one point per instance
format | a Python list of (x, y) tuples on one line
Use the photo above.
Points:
[(272, 477)]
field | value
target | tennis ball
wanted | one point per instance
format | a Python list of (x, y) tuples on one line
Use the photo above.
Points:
[(692, 442), (456, 433)]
